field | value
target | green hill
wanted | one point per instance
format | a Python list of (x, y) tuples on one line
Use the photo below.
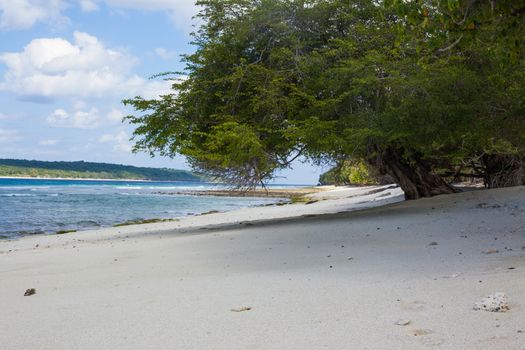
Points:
[(84, 170)]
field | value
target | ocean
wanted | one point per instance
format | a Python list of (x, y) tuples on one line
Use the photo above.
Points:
[(41, 206)]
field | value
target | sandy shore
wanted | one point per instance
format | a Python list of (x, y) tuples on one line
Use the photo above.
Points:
[(308, 276), (269, 192)]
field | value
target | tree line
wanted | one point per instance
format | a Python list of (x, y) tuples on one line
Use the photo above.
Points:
[(426, 91), (84, 170)]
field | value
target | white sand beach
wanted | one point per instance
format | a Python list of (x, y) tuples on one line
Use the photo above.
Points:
[(358, 269)]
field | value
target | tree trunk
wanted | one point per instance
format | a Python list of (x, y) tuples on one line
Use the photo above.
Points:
[(414, 177), (503, 170)]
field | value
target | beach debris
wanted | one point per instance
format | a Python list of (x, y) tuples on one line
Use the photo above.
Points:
[(496, 302), (29, 292), (454, 275), (432, 243), (420, 332), (403, 322), (487, 205), (62, 232), (350, 258), (511, 268), (490, 251), (311, 201), (241, 309)]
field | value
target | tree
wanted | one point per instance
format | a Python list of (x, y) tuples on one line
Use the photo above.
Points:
[(331, 80)]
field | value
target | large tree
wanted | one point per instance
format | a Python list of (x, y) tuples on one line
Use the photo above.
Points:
[(401, 86)]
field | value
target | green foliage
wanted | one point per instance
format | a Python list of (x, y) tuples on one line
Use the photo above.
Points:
[(414, 87), (349, 173), (87, 170)]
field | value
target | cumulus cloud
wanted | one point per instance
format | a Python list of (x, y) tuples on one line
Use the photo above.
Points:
[(76, 120), (166, 54), (49, 68), (88, 5), (7, 135), (120, 141), (115, 115), (23, 14), (180, 11)]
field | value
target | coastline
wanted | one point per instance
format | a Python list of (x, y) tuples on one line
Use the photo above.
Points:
[(132, 212), (322, 275), (292, 192), (87, 179)]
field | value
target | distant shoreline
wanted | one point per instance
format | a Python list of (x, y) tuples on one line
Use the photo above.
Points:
[(90, 179)]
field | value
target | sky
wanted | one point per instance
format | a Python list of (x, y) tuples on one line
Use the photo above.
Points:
[(66, 65)]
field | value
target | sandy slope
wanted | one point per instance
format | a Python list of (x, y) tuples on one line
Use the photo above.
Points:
[(335, 281)]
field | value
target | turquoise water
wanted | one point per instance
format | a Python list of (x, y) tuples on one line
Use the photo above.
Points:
[(35, 206)]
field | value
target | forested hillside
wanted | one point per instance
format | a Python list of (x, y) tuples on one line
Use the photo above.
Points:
[(84, 170)]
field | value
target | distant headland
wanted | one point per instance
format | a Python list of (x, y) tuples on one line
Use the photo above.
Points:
[(21, 168)]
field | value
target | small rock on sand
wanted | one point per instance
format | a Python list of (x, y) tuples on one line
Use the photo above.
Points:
[(29, 292), (241, 309), (496, 302), (432, 243), (403, 322), (490, 251), (420, 332)]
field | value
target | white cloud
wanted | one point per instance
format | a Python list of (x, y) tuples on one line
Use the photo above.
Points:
[(49, 68), (48, 142), (115, 115), (180, 11), (7, 135), (77, 120), (88, 5), (23, 14), (120, 141), (166, 54), (3, 116)]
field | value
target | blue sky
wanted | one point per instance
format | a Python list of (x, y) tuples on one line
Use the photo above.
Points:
[(65, 65)]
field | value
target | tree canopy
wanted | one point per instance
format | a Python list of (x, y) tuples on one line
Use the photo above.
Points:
[(425, 91)]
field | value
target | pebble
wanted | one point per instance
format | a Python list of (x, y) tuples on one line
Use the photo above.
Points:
[(241, 309), (403, 322), (29, 292)]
